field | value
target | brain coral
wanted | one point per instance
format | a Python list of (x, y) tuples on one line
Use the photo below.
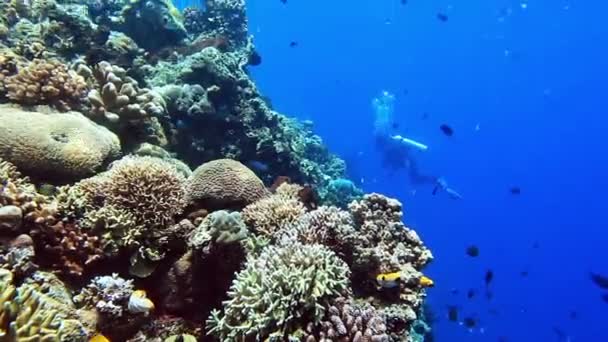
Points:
[(224, 183), (54, 146), (283, 286)]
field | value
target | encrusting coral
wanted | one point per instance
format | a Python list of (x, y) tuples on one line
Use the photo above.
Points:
[(63, 147), (280, 289)]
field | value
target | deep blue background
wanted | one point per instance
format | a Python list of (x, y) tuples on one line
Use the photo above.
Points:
[(533, 78)]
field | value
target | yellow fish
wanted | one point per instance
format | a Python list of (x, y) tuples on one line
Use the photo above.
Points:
[(139, 303), (388, 280), (426, 282), (99, 338)]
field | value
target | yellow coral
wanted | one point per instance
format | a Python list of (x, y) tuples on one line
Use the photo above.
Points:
[(29, 315)]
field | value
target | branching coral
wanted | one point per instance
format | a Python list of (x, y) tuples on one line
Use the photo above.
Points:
[(281, 288), (46, 81), (224, 183), (327, 226), (151, 189), (118, 97), (19, 201), (55, 146), (346, 321), (18, 256), (29, 315), (384, 243), (270, 216), (67, 248)]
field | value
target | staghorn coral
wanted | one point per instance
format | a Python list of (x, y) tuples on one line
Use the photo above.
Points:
[(279, 289), (28, 314), (224, 183), (46, 81), (220, 227), (116, 227), (269, 216), (346, 320), (54, 146), (384, 243)]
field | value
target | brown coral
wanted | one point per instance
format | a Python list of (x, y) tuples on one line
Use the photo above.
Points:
[(67, 248), (46, 81), (271, 215), (328, 226), (224, 183), (20, 202), (149, 188), (347, 321), (383, 239), (55, 146), (118, 97)]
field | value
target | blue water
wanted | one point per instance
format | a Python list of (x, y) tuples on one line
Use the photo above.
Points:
[(533, 79)]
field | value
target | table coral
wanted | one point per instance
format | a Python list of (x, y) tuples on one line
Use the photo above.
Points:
[(55, 146), (282, 287), (224, 183), (46, 81)]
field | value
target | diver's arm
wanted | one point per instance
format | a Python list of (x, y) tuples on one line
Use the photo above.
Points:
[(410, 143)]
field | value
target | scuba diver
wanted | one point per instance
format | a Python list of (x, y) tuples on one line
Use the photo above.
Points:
[(398, 152)]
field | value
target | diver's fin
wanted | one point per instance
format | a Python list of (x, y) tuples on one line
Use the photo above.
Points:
[(435, 189)]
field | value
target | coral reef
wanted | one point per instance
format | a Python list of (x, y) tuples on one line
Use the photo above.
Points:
[(224, 183), (214, 253), (277, 290), (55, 146)]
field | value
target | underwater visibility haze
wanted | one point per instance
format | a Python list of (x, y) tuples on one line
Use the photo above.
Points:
[(288, 170)]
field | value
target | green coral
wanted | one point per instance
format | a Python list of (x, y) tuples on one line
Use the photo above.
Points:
[(220, 227), (29, 315), (278, 291)]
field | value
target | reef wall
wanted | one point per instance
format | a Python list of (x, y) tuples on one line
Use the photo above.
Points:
[(149, 192)]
